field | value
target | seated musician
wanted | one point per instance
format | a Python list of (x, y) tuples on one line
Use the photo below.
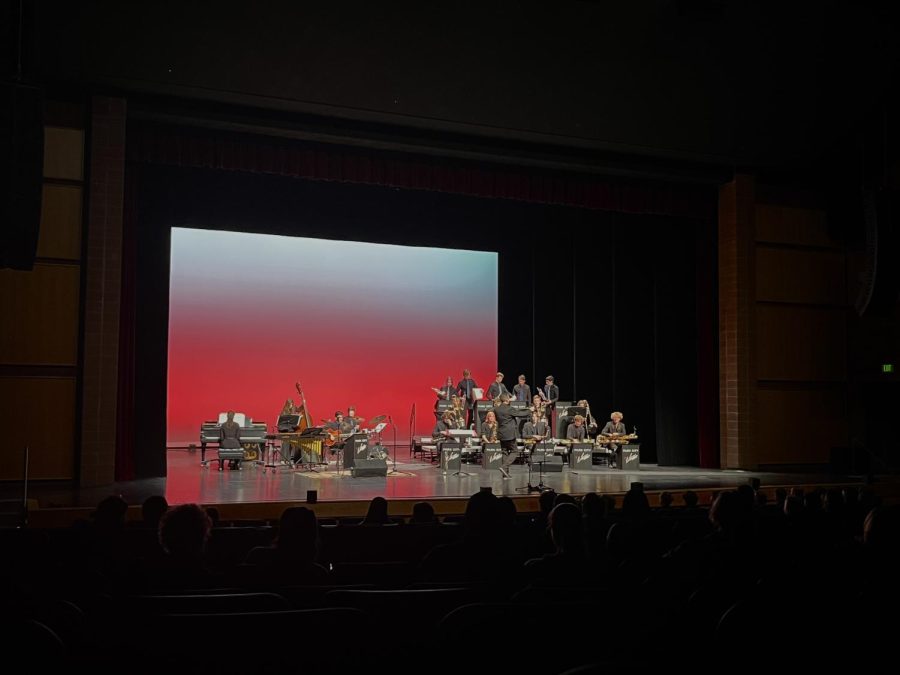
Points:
[(538, 406), (441, 431), (489, 428), (536, 429), (577, 431), (336, 425), (230, 438), (612, 430), (459, 411)]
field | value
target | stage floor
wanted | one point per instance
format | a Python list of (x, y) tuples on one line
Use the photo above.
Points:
[(189, 482)]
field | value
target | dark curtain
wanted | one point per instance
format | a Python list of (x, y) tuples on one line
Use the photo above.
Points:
[(125, 428), (234, 152)]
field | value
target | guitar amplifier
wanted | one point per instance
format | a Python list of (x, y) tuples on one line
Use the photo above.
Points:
[(451, 454), (581, 456), (491, 456), (631, 457), (369, 467)]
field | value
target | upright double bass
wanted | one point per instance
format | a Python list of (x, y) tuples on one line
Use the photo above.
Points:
[(305, 421)]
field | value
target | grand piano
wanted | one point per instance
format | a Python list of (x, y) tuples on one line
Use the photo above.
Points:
[(253, 436)]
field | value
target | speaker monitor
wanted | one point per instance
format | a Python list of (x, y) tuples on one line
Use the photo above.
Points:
[(369, 467)]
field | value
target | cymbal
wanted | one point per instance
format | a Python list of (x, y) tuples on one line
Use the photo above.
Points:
[(378, 420)]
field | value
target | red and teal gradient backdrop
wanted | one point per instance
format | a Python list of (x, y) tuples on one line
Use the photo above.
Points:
[(370, 325)]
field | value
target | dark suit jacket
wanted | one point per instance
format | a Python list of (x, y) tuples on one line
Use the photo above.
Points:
[(551, 391), (506, 421), (464, 388), (526, 392), (496, 389)]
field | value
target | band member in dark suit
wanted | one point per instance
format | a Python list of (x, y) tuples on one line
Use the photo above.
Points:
[(576, 430), (497, 388), (466, 388), (550, 395), (489, 428), (522, 392), (506, 431), (230, 438)]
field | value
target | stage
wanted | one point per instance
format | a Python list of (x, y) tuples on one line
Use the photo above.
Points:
[(256, 491)]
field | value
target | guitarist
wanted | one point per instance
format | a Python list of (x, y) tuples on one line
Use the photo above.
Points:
[(334, 429)]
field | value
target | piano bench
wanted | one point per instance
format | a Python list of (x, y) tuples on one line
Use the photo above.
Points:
[(230, 454)]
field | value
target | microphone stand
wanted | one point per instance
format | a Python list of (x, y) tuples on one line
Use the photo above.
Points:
[(393, 471)]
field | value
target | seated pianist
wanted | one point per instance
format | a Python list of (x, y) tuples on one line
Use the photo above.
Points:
[(577, 432), (230, 438)]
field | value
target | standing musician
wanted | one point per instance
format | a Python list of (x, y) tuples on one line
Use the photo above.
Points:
[(288, 407), (522, 392), (550, 395), (489, 428), (535, 429), (443, 394), (613, 430), (506, 431), (497, 388), (466, 388)]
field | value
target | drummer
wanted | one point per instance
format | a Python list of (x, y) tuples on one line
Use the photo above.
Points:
[(351, 422)]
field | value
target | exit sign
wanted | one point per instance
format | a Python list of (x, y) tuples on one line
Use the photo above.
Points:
[(887, 367)]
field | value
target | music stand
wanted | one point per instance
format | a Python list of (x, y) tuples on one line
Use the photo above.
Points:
[(393, 471), (540, 487), (461, 436)]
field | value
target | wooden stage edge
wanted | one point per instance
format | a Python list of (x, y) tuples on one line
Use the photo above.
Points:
[(888, 490)]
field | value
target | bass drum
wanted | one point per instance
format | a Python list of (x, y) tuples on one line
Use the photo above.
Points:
[(251, 452)]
